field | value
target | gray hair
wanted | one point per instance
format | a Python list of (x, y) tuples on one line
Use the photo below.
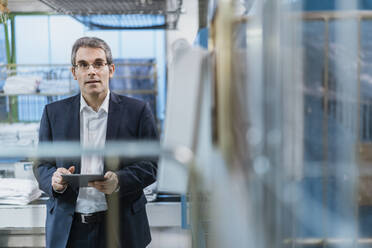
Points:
[(92, 42)]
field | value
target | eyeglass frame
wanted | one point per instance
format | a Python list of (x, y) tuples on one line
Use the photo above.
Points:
[(89, 65)]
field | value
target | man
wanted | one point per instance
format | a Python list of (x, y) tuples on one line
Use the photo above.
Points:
[(76, 217)]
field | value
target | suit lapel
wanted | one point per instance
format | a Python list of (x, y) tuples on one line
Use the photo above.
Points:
[(74, 134), (113, 122), (113, 119), (75, 120)]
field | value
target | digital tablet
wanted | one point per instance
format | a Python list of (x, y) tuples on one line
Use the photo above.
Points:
[(81, 180)]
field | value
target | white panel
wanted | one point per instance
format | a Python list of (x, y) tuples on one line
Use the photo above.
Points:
[(182, 112)]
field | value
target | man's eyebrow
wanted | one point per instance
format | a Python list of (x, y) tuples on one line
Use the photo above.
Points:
[(96, 60), (81, 61)]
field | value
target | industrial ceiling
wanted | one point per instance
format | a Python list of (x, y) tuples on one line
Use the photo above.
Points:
[(27, 6)]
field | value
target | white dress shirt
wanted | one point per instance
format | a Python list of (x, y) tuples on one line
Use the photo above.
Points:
[(93, 127)]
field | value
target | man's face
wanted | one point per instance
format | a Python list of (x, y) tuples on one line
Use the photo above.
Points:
[(92, 81)]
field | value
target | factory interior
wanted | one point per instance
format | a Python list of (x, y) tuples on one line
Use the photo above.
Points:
[(261, 109)]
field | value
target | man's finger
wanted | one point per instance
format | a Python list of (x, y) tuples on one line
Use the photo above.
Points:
[(62, 170), (71, 169), (107, 175), (61, 181), (57, 179), (56, 185), (59, 187), (95, 184), (100, 188), (99, 183)]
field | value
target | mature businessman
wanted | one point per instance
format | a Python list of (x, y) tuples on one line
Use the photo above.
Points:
[(76, 217)]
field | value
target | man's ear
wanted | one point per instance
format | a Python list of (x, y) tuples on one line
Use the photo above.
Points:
[(73, 71), (112, 70)]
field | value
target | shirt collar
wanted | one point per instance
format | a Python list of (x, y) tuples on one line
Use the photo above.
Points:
[(104, 106)]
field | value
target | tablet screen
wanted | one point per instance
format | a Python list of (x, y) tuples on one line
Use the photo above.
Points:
[(81, 180)]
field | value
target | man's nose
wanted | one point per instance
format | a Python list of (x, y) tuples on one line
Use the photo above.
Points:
[(91, 70)]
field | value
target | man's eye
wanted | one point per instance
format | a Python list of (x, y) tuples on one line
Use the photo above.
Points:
[(98, 64), (83, 65)]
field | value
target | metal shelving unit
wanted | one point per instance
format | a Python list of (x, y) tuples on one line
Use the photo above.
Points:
[(116, 14)]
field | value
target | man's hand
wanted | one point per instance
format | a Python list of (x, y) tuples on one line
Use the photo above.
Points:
[(58, 183), (107, 186)]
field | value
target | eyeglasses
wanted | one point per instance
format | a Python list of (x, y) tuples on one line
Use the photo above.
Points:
[(98, 65)]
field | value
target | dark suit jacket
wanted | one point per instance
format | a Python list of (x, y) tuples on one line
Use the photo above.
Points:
[(128, 119)]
